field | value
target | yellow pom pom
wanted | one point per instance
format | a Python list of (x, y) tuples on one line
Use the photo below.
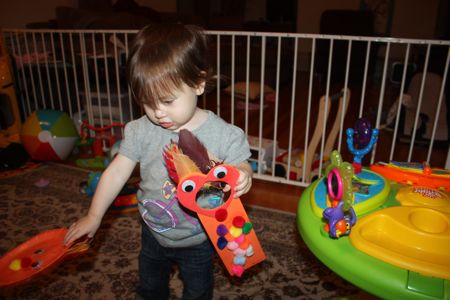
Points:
[(15, 265)]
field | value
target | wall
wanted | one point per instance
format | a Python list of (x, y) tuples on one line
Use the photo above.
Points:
[(415, 19), (255, 10), (309, 12), (411, 18), (161, 6), (17, 13)]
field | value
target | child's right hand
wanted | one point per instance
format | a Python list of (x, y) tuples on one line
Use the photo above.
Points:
[(87, 225)]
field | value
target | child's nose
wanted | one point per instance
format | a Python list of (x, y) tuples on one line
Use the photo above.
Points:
[(159, 113)]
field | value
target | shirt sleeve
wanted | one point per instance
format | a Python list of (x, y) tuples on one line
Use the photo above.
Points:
[(236, 149), (129, 146)]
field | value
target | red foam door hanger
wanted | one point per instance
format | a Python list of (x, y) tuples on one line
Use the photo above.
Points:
[(228, 226)]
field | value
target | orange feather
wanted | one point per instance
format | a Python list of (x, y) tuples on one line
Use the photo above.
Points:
[(178, 164)]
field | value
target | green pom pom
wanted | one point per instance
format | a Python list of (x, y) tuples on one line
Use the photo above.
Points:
[(247, 228)]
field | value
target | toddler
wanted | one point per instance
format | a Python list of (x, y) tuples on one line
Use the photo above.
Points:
[(168, 68)]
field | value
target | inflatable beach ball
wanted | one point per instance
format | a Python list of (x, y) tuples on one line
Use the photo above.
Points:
[(48, 135)]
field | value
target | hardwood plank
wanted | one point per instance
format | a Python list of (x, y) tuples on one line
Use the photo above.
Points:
[(273, 195)]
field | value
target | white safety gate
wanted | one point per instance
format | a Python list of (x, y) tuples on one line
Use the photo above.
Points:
[(278, 87)]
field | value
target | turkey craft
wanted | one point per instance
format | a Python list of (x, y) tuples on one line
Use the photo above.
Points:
[(226, 222)]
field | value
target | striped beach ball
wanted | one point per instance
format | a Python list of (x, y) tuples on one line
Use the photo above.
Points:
[(48, 135)]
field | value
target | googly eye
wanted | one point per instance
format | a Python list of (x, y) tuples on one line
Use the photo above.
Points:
[(188, 186), (220, 172)]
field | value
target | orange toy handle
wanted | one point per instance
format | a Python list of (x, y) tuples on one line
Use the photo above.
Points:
[(78, 247)]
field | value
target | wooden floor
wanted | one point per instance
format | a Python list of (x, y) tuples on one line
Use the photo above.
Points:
[(273, 195)]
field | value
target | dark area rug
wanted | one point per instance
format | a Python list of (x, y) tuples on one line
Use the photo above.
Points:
[(109, 269)]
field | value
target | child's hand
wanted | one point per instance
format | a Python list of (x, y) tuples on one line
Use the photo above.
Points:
[(244, 182), (87, 225)]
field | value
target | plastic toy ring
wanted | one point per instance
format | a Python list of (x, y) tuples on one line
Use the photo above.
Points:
[(336, 175)]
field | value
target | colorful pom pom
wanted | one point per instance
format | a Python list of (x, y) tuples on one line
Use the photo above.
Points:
[(232, 246), (239, 252), (247, 228), (221, 243), (237, 270), (235, 231), (15, 265), (238, 222), (221, 215), (239, 260), (240, 239), (249, 251), (222, 230)]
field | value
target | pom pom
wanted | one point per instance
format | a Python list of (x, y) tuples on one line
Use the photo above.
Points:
[(237, 270), (232, 246), (238, 222), (235, 231), (221, 243), (221, 215), (249, 251), (239, 252), (247, 228), (222, 230), (240, 239), (239, 260)]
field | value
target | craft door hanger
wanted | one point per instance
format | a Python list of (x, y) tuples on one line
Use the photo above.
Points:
[(228, 226)]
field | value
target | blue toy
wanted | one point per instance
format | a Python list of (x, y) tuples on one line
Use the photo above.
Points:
[(365, 138), (90, 186)]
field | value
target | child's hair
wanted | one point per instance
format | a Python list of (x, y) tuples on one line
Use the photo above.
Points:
[(163, 57)]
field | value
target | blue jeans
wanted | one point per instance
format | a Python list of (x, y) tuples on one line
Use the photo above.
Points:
[(155, 264)]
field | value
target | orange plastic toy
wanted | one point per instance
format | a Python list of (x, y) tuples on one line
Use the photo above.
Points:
[(39, 254), (102, 134), (416, 174)]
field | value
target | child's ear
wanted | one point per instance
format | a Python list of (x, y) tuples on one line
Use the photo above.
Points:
[(200, 88)]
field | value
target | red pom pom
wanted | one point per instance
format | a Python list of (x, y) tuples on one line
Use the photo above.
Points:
[(238, 222), (221, 215)]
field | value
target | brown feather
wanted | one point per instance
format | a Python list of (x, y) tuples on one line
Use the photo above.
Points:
[(196, 151)]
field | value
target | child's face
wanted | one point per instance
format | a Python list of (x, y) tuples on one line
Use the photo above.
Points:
[(177, 112)]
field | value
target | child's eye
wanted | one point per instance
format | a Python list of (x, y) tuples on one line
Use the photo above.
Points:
[(168, 101)]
